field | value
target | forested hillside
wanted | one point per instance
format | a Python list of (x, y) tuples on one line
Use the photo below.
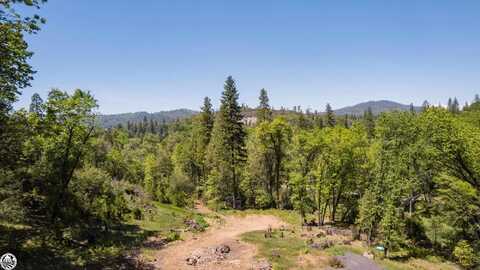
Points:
[(125, 119), (72, 195), (377, 107)]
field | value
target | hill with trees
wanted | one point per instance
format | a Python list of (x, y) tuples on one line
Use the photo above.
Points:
[(77, 196), (377, 107), (112, 120)]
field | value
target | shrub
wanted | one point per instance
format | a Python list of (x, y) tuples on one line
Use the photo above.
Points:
[(173, 236), (465, 254), (201, 221)]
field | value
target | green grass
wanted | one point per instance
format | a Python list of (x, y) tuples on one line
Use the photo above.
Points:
[(40, 250), (281, 252), (428, 263), (338, 250), (168, 217), (292, 246)]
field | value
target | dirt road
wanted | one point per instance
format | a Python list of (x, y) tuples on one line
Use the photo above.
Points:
[(241, 256)]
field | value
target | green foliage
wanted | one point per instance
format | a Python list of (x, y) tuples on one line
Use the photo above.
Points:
[(101, 199), (407, 179), (266, 165), (264, 112), (227, 148), (465, 254), (329, 116)]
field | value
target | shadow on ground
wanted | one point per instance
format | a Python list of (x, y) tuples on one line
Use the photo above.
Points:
[(38, 250)]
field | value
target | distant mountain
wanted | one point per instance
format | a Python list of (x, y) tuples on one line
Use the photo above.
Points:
[(111, 120), (376, 106)]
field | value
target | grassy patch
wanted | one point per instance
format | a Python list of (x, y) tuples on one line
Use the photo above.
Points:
[(283, 252), (41, 250), (416, 264), (338, 250), (168, 217)]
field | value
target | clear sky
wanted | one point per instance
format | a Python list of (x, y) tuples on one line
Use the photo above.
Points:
[(155, 55)]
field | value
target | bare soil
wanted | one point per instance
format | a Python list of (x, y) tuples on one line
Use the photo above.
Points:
[(241, 256)]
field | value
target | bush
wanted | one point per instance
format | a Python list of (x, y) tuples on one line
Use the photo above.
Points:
[(263, 200), (97, 196), (465, 254), (173, 235), (201, 221), (180, 190)]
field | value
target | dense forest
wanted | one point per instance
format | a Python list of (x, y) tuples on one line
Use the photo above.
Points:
[(408, 180)]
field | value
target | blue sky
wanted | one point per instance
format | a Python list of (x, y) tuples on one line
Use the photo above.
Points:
[(155, 55)]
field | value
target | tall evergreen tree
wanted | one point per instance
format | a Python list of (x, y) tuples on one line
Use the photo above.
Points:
[(330, 116), (227, 148), (207, 119), (477, 98), (36, 105), (425, 105), (369, 122), (346, 123), (455, 106), (412, 108), (264, 111), (201, 138)]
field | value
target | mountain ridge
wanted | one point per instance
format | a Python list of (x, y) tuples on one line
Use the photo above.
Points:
[(111, 120), (377, 107)]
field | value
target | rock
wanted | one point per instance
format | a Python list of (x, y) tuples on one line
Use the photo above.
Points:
[(222, 249), (193, 225), (320, 235), (262, 265), (275, 253), (192, 260), (322, 244)]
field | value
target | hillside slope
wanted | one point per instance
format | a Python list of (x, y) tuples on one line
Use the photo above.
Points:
[(111, 120), (377, 107)]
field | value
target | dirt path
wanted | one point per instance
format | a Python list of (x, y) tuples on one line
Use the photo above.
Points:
[(241, 255)]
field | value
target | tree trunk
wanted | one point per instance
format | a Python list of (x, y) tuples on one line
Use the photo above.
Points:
[(319, 210), (277, 181)]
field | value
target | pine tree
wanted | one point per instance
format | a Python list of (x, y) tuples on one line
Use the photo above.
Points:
[(144, 125), (149, 181), (206, 120), (228, 152), (36, 106), (346, 121), (264, 112), (412, 108), (425, 105), (330, 116), (450, 105), (455, 106), (369, 122), (477, 98), (152, 126), (201, 138)]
